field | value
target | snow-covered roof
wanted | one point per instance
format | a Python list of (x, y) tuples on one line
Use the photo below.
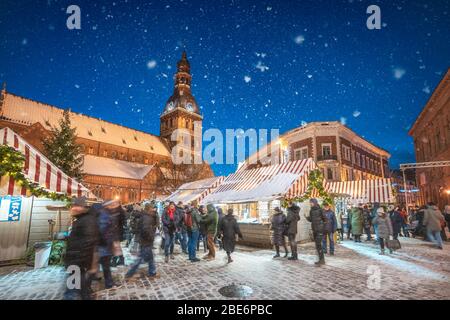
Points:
[(195, 190), (287, 179), (107, 167), (25, 111)]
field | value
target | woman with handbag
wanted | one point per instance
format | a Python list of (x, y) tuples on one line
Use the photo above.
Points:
[(383, 222)]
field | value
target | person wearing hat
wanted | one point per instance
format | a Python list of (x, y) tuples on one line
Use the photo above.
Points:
[(192, 222), (278, 227), (396, 220), (81, 245), (383, 222)]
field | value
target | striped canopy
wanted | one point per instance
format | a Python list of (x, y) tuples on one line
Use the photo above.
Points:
[(376, 190), (196, 190), (37, 168), (288, 179)]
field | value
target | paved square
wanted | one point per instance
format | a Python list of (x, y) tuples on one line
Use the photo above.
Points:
[(417, 271)]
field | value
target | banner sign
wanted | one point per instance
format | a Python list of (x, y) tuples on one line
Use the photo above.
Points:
[(10, 208)]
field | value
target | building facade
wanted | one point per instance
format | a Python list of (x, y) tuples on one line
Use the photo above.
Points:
[(341, 154), (431, 134), (119, 162)]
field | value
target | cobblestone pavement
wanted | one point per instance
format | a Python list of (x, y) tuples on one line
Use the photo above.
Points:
[(417, 271)]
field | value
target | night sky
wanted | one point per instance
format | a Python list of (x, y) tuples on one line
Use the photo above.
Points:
[(255, 64)]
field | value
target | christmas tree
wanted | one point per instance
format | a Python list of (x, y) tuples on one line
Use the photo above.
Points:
[(61, 148)]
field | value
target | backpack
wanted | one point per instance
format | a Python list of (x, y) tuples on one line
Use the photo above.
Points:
[(188, 220)]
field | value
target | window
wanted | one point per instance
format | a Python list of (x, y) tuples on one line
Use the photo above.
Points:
[(91, 150), (358, 159), (330, 174), (363, 162), (146, 161), (371, 165), (346, 152), (353, 156), (105, 153), (326, 149), (133, 158), (301, 154)]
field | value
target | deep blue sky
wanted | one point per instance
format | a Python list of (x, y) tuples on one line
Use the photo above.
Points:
[(255, 64)]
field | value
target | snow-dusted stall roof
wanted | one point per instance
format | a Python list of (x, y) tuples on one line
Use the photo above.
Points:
[(196, 190), (108, 167), (25, 111), (364, 191), (288, 179), (37, 168)]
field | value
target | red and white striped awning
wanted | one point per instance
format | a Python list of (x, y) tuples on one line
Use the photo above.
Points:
[(376, 190), (37, 168), (287, 179), (196, 190)]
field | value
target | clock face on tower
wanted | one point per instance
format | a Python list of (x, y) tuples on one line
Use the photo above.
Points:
[(189, 107), (170, 106)]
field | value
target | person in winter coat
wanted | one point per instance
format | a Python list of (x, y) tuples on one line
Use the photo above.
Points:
[(170, 221), (447, 216), (329, 229), (192, 222), (81, 245), (146, 229), (278, 227), (396, 220), (181, 232), (318, 219), (134, 221), (220, 216), (228, 229), (118, 223), (349, 223), (357, 223), (105, 248), (373, 215), (367, 222), (211, 220), (384, 224), (203, 237), (293, 216), (405, 222), (433, 221)]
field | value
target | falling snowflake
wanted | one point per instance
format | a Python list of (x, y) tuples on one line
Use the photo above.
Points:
[(247, 79), (77, 86), (151, 64), (427, 90), (299, 39), (399, 73), (261, 66), (343, 120), (356, 113)]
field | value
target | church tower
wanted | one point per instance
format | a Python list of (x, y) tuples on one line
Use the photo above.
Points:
[(181, 110)]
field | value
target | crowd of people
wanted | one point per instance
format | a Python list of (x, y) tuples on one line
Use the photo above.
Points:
[(98, 230)]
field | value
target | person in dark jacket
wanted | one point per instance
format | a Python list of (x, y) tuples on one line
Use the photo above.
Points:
[(220, 215), (81, 245), (373, 215), (203, 236), (278, 227), (169, 221), (367, 222), (193, 230), (318, 219), (292, 219), (148, 224), (396, 220), (105, 247), (330, 227), (357, 222), (228, 229), (118, 219), (181, 232)]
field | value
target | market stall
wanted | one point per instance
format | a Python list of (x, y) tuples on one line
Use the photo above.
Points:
[(253, 194), (24, 218), (196, 190)]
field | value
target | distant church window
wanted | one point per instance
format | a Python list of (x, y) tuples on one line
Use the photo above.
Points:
[(114, 154), (146, 161), (189, 107), (123, 141), (91, 150), (133, 158), (90, 133), (135, 138), (105, 153), (83, 147), (103, 130)]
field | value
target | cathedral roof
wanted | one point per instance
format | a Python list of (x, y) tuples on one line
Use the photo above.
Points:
[(28, 112), (100, 166)]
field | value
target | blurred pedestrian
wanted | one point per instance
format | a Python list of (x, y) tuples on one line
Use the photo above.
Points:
[(367, 222), (211, 220), (329, 229), (396, 220), (384, 224), (318, 219), (192, 222), (169, 222), (228, 230), (292, 219), (105, 248), (181, 232), (357, 222), (433, 221)]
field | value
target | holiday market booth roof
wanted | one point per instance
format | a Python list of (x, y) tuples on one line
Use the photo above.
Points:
[(107, 167), (364, 191), (38, 169), (196, 190), (288, 179)]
